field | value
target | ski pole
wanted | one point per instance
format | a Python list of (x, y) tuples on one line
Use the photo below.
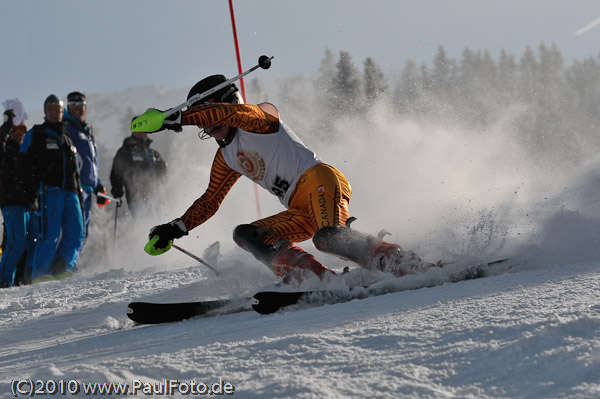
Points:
[(191, 255), (153, 119), (118, 203)]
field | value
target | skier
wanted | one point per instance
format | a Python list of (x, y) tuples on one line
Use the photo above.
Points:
[(17, 199), (254, 142), (49, 156), (83, 138), (137, 172)]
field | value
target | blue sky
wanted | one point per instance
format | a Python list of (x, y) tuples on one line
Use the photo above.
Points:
[(104, 46)]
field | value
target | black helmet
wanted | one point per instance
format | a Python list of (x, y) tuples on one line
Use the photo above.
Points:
[(228, 94)]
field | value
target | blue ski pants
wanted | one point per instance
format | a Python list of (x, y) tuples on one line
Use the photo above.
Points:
[(61, 230), (21, 230), (87, 212)]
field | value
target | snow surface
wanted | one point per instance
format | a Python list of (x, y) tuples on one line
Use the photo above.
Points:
[(525, 334), (443, 190)]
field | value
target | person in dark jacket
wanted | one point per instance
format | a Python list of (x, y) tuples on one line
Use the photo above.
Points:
[(83, 138), (137, 172), (17, 200), (50, 157)]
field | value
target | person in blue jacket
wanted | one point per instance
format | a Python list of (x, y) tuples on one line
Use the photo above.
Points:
[(82, 136), (17, 200), (49, 156)]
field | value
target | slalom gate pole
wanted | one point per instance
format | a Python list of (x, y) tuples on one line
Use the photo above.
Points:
[(239, 64), (191, 255), (237, 48)]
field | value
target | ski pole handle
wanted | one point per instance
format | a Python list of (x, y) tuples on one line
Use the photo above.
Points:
[(108, 197), (152, 120), (191, 255)]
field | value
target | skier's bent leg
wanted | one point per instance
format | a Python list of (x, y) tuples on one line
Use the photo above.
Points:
[(253, 239), (282, 256)]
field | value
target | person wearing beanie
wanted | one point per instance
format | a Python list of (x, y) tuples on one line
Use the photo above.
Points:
[(17, 200), (82, 136), (50, 158)]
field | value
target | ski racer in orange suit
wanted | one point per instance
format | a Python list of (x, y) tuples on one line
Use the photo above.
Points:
[(254, 142)]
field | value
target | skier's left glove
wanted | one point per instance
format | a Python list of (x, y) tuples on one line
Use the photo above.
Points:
[(162, 236)]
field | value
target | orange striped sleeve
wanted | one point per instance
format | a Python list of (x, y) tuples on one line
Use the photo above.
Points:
[(248, 117), (222, 178)]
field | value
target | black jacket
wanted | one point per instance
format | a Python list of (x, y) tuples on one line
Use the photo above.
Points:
[(137, 170), (16, 186), (49, 155)]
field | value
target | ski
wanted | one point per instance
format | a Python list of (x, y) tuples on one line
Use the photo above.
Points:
[(267, 302), (156, 313)]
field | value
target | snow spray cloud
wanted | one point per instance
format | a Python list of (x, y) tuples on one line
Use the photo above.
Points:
[(439, 185), (445, 188)]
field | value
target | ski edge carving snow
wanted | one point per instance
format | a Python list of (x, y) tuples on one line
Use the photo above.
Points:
[(267, 302)]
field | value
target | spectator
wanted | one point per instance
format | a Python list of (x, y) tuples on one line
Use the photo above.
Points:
[(49, 156), (83, 138), (17, 199), (138, 172)]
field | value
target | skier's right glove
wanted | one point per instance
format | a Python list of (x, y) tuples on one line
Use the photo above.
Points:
[(172, 122), (162, 236)]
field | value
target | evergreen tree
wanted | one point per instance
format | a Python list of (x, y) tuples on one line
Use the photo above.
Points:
[(324, 82), (443, 75), (505, 84), (375, 81), (346, 88), (408, 91)]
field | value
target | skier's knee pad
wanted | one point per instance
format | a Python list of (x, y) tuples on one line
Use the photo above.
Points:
[(346, 243), (252, 239)]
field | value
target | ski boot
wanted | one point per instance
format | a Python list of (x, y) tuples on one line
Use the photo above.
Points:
[(291, 262), (368, 251), (391, 258)]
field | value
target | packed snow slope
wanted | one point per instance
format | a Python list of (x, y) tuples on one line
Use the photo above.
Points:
[(522, 334), (444, 190)]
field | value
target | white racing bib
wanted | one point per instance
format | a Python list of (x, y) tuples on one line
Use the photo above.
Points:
[(275, 161)]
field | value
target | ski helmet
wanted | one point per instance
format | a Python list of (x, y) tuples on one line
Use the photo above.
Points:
[(228, 94)]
